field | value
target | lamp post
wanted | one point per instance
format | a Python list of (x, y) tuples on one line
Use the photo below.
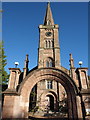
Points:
[(16, 64), (80, 63)]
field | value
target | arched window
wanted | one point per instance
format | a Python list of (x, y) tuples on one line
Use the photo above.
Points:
[(49, 44), (50, 64), (46, 44), (47, 64)]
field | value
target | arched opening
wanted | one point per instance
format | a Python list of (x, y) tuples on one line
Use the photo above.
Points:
[(33, 99), (44, 99), (57, 75), (49, 44), (50, 102), (52, 44), (46, 44), (49, 62)]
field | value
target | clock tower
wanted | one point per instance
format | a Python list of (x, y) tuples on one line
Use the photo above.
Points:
[(49, 50), (49, 90)]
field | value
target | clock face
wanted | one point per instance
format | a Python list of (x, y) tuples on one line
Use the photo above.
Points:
[(48, 34)]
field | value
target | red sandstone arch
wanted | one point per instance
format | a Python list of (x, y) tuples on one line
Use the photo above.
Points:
[(50, 92), (49, 73)]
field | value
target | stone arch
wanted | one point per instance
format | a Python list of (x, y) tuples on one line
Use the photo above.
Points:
[(52, 93), (51, 73)]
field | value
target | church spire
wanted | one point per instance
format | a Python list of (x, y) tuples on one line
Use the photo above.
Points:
[(49, 50), (48, 17)]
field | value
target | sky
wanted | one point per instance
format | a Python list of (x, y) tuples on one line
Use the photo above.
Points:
[(20, 21)]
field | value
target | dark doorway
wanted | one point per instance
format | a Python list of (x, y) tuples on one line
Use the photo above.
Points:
[(51, 102)]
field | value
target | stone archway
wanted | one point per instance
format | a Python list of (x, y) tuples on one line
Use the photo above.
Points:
[(45, 100), (51, 73)]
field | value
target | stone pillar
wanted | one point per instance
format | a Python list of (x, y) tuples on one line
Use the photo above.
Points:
[(79, 107), (11, 107), (73, 70), (25, 69), (14, 78), (58, 95), (82, 78)]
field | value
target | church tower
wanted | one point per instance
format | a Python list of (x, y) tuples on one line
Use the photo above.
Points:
[(49, 50), (49, 90)]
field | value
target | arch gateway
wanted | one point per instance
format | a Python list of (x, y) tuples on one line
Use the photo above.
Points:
[(48, 90)]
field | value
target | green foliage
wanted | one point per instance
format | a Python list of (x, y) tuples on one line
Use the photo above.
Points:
[(3, 74)]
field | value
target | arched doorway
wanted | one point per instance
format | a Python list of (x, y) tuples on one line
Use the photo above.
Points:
[(50, 99), (50, 73), (50, 102)]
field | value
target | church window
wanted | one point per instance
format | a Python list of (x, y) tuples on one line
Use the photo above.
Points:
[(49, 44), (47, 64), (46, 44), (49, 84), (50, 64)]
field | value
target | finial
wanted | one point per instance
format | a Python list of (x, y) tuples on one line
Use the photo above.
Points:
[(48, 1), (26, 61), (71, 61), (27, 57), (48, 4), (70, 56), (26, 67)]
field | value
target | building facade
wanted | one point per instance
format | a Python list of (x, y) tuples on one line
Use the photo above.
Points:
[(48, 90)]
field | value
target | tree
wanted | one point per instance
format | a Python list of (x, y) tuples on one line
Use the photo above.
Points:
[(3, 62)]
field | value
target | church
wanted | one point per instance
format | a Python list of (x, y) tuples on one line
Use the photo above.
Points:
[(49, 90)]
